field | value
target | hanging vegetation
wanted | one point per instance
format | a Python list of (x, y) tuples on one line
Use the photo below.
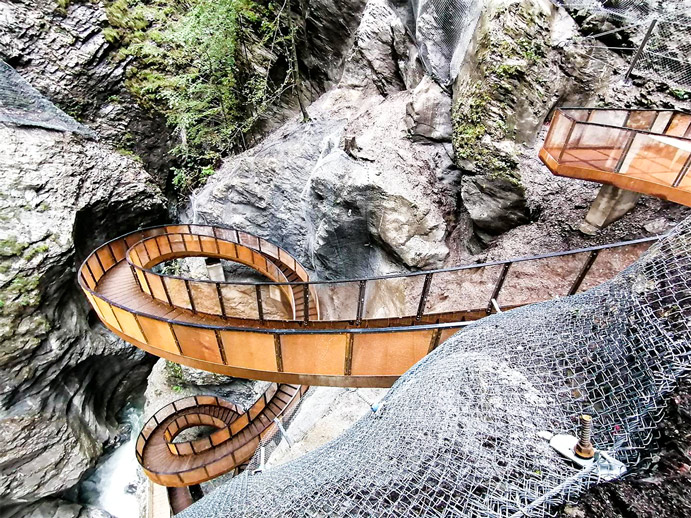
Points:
[(211, 67)]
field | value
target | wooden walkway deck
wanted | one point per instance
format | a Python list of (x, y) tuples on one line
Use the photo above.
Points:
[(276, 331), (236, 437), (645, 151)]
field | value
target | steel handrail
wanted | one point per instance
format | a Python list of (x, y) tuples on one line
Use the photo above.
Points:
[(564, 111), (451, 269), (356, 330)]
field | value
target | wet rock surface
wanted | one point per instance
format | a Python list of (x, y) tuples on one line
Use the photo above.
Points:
[(348, 193), (64, 53), (53, 508)]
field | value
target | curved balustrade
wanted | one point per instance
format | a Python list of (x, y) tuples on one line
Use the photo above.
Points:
[(372, 332), (646, 151), (229, 447), (204, 296)]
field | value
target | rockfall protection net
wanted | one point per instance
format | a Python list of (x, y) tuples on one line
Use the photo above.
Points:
[(23, 105), (457, 435), (442, 30), (666, 55)]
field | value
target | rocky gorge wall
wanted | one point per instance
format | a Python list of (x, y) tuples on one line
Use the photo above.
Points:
[(395, 172), (63, 377)]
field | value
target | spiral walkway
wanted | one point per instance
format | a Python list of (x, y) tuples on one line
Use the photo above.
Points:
[(645, 151), (236, 437)]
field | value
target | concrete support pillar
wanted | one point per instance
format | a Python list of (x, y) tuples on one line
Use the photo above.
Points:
[(215, 269), (196, 491), (610, 205)]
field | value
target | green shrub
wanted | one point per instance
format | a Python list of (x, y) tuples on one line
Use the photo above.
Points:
[(211, 67)]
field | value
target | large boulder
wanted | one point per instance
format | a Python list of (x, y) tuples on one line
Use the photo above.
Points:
[(382, 54), (494, 204), (63, 377), (500, 99), (428, 114)]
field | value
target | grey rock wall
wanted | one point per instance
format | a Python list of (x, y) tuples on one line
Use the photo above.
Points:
[(349, 193), (63, 377), (65, 55)]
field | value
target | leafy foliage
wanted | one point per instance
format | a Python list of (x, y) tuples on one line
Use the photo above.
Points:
[(212, 67)]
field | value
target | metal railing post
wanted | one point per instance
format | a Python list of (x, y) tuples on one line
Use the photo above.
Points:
[(568, 138), (625, 152), (306, 302), (639, 52), (360, 302), (260, 305), (423, 296), (497, 287), (682, 172), (583, 272)]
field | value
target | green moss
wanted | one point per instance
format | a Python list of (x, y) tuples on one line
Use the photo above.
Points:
[(506, 62), (682, 95), (62, 6), (21, 292), (111, 35), (10, 247), (33, 252), (174, 371), (210, 67), (506, 71), (130, 154), (23, 284)]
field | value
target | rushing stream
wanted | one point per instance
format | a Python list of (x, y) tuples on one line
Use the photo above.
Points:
[(114, 483)]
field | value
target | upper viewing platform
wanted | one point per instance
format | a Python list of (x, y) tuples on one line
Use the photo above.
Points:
[(645, 151)]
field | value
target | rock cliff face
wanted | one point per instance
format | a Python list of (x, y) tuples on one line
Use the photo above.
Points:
[(395, 172), (351, 192), (64, 53), (63, 377)]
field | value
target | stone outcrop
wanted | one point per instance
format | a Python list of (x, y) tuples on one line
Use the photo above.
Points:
[(428, 114), (63, 377), (501, 96), (349, 193), (65, 54), (55, 508)]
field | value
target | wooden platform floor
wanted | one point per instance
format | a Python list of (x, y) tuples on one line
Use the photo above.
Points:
[(119, 286), (652, 171), (158, 458)]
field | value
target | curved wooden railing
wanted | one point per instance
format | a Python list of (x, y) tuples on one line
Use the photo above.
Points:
[(362, 340), (645, 151), (237, 436)]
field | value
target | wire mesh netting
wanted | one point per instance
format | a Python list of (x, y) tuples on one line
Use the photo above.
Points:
[(23, 105), (459, 434), (442, 30), (665, 54)]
